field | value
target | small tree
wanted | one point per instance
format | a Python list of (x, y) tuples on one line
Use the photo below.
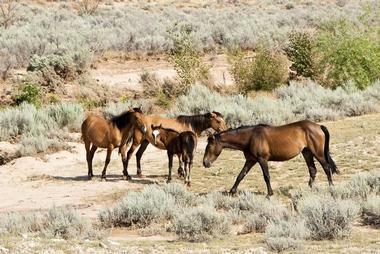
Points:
[(185, 57), (301, 51), (264, 71), (348, 53)]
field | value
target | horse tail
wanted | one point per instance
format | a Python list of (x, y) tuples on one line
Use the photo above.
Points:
[(128, 139), (328, 158), (188, 144)]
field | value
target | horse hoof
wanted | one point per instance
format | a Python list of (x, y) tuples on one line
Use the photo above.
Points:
[(103, 178), (127, 178), (188, 184), (89, 178), (232, 192), (140, 175), (168, 181)]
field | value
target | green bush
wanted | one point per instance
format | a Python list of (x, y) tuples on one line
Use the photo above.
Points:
[(185, 57), (301, 52), (349, 52), (264, 71), (29, 93)]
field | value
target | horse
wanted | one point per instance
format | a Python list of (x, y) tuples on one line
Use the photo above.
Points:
[(110, 134), (195, 123), (181, 144), (262, 143)]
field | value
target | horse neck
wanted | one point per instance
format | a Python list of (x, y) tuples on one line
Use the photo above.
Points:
[(167, 137), (235, 141), (198, 123)]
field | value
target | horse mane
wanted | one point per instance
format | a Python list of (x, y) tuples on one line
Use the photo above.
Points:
[(197, 122), (122, 120), (170, 130), (217, 135)]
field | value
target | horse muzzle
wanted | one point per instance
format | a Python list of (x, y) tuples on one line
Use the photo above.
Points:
[(206, 164)]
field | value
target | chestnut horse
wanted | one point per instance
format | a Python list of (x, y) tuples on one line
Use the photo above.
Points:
[(196, 124), (181, 144), (110, 134), (263, 143)]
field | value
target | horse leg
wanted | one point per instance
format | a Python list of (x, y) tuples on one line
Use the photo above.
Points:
[(108, 158), (247, 167), (143, 146), (189, 173), (326, 167), (90, 155), (180, 167), (126, 160), (264, 167), (123, 149), (170, 157), (308, 156)]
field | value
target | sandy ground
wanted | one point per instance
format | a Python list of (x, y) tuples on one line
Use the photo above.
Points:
[(59, 179), (126, 74)]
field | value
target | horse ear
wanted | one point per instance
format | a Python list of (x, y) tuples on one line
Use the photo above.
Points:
[(152, 126), (160, 125)]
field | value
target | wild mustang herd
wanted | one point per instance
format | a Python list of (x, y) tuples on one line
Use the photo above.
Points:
[(259, 143)]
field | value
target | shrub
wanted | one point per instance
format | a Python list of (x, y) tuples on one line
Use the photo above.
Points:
[(287, 234), (153, 204), (326, 217), (88, 7), (265, 71), (27, 120), (371, 211), (9, 13), (200, 224), (55, 223), (360, 186), (58, 30), (255, 223), (185, 57), (301, 52), (29, 93), (348, 53), (112, 109), (181, 195), (33, 145), (294, 102)]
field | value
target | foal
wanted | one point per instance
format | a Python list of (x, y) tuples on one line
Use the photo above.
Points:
[(116, 132), (263, 143), (181, 144)]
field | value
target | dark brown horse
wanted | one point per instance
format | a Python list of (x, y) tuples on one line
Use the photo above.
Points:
[(181, 144), (263, 143), (196, 124), (110, 134)]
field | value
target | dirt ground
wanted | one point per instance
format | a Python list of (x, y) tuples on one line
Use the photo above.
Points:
[(60, 179)]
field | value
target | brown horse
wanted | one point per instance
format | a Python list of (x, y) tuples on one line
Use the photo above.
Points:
[(181, 144), (110, 134), (196, 124), (263, 143)]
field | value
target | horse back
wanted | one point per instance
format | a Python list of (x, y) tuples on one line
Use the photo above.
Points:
[(284, 142), (99, 131)]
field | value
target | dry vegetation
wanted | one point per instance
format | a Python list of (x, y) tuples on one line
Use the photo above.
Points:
[(317, 61)]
